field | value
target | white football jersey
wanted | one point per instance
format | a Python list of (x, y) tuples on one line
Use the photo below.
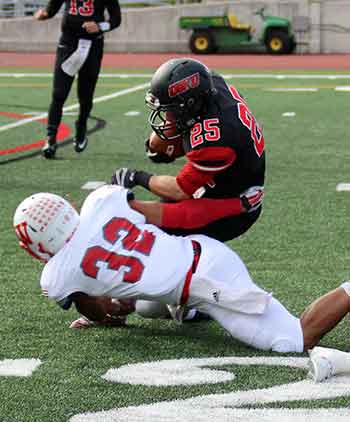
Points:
[(115, 253)]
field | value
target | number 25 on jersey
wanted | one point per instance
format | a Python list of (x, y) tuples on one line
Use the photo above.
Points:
[(249, 121)]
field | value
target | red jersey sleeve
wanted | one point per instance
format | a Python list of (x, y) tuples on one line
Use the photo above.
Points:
[(202, 166)]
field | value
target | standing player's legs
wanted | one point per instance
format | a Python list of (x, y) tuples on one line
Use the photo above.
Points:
[(88, 76), (62, 84)]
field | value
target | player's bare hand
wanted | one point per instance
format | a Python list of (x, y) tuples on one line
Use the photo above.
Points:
[(91, 27), (41, 15)]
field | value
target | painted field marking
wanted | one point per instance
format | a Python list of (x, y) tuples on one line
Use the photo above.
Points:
[(289, 114), (93, 184), (342, 88), (18, 367), (132, 113), (291, 89), (343, 187), (75, 106), (62, 133), (241, 405)]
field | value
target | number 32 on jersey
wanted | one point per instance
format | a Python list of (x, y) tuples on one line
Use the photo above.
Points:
[(134, 240)]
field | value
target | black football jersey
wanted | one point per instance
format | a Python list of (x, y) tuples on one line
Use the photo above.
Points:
[(76, 12), (228, 142)]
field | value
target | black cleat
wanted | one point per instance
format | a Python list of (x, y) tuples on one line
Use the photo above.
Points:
[(80, 145), (80, 140), (199, 316), (49, 149)]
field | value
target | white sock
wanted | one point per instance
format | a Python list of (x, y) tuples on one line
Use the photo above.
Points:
[(346, 287)]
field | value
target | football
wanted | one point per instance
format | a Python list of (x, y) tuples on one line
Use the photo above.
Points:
[(173, 149)]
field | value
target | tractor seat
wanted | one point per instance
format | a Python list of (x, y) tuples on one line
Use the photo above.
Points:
[(235, 24)]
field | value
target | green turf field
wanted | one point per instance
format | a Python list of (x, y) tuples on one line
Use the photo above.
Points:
[(298, 250)]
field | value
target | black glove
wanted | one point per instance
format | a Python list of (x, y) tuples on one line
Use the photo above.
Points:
[(157, 157), (124, 177), (130, 178), (252, 198)]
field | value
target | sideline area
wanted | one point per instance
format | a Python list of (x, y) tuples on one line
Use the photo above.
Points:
[(234, 61)]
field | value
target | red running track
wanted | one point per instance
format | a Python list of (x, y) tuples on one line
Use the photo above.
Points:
[(228, 61)]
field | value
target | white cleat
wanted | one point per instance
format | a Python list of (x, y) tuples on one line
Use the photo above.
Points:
[(320, 368)]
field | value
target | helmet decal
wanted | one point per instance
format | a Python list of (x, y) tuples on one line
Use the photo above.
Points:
[(184, 85), (22, 233)]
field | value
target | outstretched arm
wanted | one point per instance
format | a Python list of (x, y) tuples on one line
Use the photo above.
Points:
[(324, 314), (100, 308)]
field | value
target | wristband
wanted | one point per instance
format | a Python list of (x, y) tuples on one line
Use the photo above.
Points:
[(104, 26), (142, 178)]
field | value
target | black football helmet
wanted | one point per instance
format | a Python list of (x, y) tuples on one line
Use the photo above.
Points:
[(179, 92)]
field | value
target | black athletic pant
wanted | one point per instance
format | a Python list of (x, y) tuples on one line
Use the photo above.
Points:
[(62, 83)]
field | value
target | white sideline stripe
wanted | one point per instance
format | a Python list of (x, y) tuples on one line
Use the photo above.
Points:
[(227, 76), (343, 187), (74, 106), (291, 89)]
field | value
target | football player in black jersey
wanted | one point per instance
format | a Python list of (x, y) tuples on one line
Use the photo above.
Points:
[(79, 51), (219, 190)]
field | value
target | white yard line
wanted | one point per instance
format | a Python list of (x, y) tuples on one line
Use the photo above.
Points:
[(74, 106), (343, 187), (342, 88)]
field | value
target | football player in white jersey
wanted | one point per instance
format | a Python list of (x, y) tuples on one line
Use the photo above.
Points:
[(110, 255)]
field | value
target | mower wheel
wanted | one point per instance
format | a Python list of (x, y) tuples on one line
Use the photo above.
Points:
[(202, 42), (278, 42)]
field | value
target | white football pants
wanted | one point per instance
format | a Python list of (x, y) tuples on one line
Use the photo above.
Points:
[(272, 328)]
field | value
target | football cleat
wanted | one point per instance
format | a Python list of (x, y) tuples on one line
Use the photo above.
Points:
[(196, 316), (80, 141), (80, 145), (320, 368), (49, 149)]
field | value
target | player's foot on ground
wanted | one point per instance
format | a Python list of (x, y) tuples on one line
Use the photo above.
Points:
[(80, 144), (320, 368), (80, 140), (49, 149), (84, 322)]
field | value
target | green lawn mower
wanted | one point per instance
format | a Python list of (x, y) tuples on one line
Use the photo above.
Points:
[(212, 34)]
